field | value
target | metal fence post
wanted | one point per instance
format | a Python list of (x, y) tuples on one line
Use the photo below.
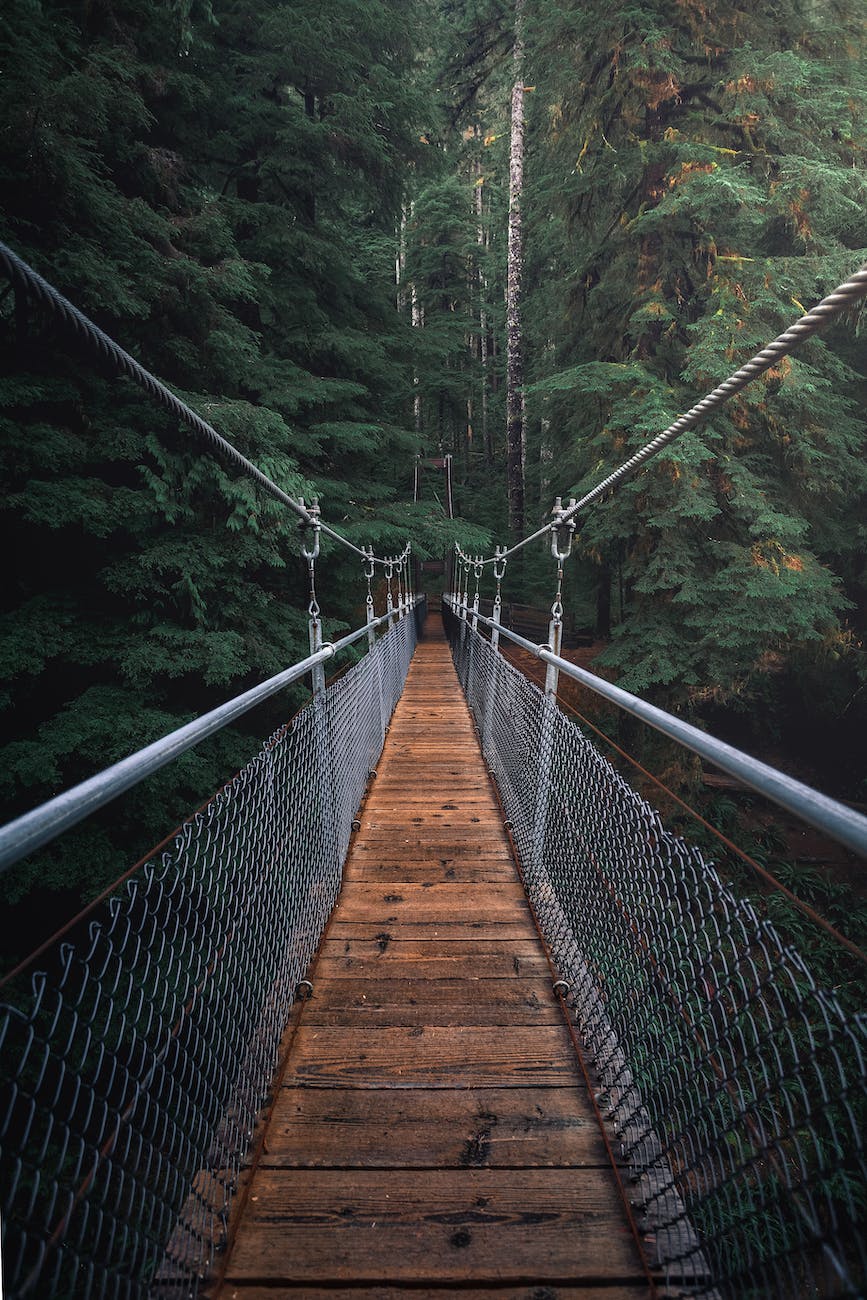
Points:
[(389, 598), (493, 683), (376, 656), (561, 547), (314, 623)]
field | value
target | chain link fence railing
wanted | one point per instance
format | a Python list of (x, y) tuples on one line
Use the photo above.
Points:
[(736, 1086), (135, 1063)]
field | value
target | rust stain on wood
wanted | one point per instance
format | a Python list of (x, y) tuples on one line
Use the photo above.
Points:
[(432, 1130)]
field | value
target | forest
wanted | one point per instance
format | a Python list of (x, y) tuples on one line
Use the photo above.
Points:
[(362, 236)]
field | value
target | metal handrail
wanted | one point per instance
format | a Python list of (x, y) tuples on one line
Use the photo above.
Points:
[(843, 824), (34, 829)]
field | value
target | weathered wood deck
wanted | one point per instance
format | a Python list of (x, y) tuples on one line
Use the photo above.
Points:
[(432, 1133)]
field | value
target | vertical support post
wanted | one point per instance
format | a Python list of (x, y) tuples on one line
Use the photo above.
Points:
[(325, 784), (314, 627), (477, 571), (494, 682), (399, 567), (463, 598), (314, 622), (389, 597), (561, 548), (555, 641), (369, 571), (410, 590), (499, 573)]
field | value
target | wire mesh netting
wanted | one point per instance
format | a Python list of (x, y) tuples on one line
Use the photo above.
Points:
[(736, 1086), (134, 1064)]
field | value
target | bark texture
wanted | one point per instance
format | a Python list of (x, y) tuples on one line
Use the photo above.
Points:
[(515, 270)]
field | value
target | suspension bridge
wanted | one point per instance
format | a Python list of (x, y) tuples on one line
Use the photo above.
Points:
[(426, 999)]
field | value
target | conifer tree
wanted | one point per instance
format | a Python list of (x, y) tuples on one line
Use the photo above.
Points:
[(222, 193), (697, 184)]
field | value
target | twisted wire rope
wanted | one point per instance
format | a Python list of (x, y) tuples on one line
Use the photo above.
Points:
[(24, 277), (846, 295)]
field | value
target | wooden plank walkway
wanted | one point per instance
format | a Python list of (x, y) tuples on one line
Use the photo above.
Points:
[(432, 1135)]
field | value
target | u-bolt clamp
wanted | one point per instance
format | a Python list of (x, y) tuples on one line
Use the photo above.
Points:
[(312, 522), (559, 549), (500, 563), (369, 573)]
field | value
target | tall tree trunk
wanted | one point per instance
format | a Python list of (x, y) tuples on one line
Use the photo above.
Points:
[(515, 268), (400, 262), (482, 241), (417, 318)]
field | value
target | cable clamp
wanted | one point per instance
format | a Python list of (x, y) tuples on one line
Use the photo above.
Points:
[(561, 986), (500, 562), (304, 990), (369, 573), (312, 522), (563, 531)]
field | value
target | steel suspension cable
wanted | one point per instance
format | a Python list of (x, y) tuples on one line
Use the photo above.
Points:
[(846, 295), (23, 277)]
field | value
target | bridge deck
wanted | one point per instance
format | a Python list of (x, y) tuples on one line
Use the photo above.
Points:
[(432, 1132)]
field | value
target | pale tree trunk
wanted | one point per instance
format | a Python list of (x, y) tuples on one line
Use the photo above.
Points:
[(515, 267), (482, 241), (417, 318), (400, 262)]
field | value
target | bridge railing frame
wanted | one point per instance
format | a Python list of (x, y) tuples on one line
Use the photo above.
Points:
[(136, 1055), (736, 1085)]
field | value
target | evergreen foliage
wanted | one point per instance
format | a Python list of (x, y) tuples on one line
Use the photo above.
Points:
[(220, 189), (228, 191), (693, 185)]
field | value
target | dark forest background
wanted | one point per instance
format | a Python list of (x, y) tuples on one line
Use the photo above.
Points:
[(297, 215)]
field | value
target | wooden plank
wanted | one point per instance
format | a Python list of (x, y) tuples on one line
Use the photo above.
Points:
[(432, 871), (390, 1003), (387, 849), (432, 1057), (499, 930), (489, 1225), (431, 958), (504, 1291), (488, 1128), (431, 904)]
